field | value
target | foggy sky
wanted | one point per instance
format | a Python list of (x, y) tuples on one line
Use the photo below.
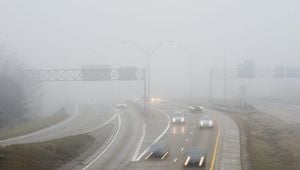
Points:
[(71, 33)]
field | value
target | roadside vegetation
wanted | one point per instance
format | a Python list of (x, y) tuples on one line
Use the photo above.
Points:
[(267, 142), (20, 100), (44, 155), (29, 126), (19, 97)]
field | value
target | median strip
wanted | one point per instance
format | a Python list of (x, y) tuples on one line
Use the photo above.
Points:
[(159, 137), (6, 141), (108, 146), (134, 158), (213, 160)]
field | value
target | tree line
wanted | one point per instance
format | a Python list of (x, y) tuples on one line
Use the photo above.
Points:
[(17, 95)]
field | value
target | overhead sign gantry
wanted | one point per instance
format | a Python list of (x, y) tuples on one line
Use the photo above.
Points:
[(90, 73)]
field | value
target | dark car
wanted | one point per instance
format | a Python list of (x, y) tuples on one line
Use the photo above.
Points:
[(194, 157), (196, 109), (157, 151)]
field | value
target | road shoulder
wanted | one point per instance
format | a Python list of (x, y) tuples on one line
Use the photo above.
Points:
[(229, 157)]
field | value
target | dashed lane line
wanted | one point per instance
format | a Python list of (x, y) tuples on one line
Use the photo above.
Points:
[(108, 146), (158, 138), (134, 158)]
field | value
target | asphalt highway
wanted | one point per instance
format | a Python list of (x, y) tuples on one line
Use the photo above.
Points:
[(132, 135), (131, 138), (83, 119)]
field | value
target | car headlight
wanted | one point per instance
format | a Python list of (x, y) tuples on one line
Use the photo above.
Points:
[(182, 119), (173, 119)]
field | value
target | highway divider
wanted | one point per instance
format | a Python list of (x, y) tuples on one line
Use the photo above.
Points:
[(229, 155)]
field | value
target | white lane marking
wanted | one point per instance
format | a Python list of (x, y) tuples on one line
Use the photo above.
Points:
[(175, 160), (166, 130), (88, 131), (108, 146), (201, 161), (182, 149), (149, 156), (139, 144), (191, 132), (100, 126), (187, 161), (158, 138), (43, 130), (164, 155)]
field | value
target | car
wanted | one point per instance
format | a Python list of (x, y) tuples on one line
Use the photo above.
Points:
[(121, 105), (157, 151), (178, 117), (196, 109), (158, 100), (164, 101), (194, 157), (206, 122)]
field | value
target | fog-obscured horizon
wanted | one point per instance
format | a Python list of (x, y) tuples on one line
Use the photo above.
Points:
[(69, 34)]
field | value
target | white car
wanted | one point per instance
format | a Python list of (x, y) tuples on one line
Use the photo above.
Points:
[(206, 122), (121, 105), (196, 109), (178, 117), (164, 101)]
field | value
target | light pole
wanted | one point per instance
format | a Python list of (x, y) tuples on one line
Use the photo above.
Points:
[(225, 79), (190, 79), (189, 58), (148, 53)]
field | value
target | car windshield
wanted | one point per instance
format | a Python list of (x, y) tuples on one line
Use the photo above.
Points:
[(194, 152), (178, 114), (205, 118), (157, 147)]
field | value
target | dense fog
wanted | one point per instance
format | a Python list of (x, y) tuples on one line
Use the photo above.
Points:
[(69, 34)]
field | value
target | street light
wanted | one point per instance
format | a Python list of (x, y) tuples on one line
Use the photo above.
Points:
[(189, 56), (148, 53)]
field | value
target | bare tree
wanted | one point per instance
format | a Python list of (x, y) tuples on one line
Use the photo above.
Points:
[(17, 95)]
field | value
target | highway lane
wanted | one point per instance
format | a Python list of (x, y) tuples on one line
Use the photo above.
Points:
[(179, 138), (121, 147), (85, 118), (130, 137)]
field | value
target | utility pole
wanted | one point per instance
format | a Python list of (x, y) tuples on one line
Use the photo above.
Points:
[(145, 91), (189, 65), (66, 84), (225, 79), (211, 85), (148, 54), (190, 79), (148, 75)]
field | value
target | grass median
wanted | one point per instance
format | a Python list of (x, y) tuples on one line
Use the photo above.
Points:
[(33, 125), (44, 155), (267, 141)]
